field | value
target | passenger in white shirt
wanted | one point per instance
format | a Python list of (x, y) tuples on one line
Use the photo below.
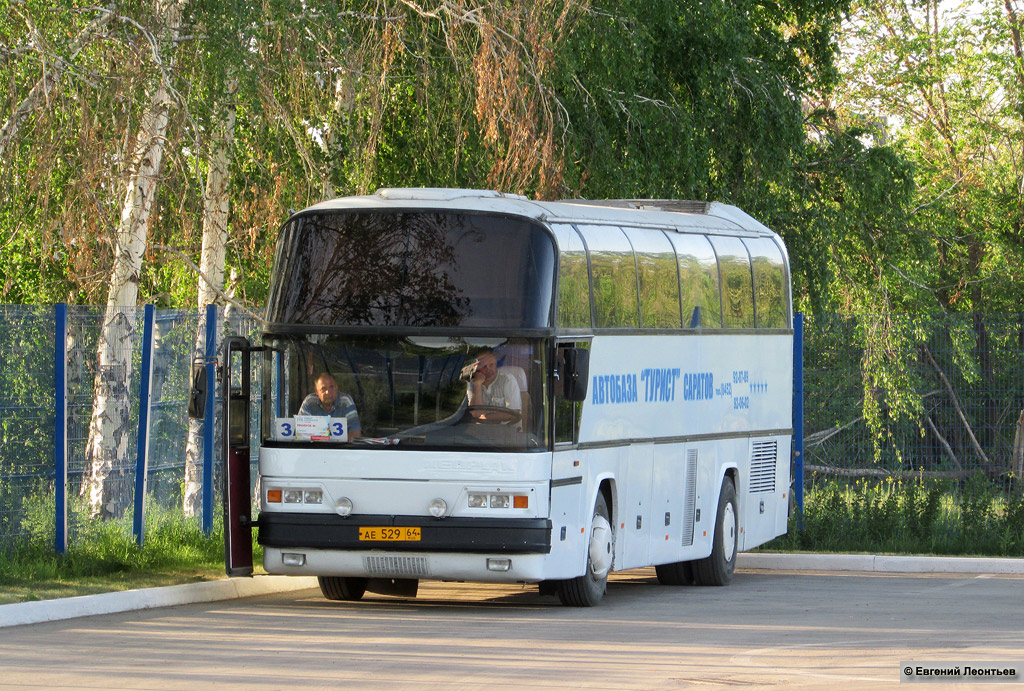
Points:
[(493, 387)]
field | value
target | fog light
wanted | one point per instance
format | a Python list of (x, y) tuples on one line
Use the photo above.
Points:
[(293, 559), (313, 496), (293, 496), (499, 564), (438, 507), (499, 501), (478, 501), (343, 507)]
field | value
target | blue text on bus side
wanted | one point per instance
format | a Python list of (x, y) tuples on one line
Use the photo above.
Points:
[(614, 388), (660, 383), (698, 386)]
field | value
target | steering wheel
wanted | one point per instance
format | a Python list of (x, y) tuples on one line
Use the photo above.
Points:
[(494, 414)]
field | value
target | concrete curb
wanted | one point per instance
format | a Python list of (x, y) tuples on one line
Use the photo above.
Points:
[(878, 563), (232, 588), (147, 598)]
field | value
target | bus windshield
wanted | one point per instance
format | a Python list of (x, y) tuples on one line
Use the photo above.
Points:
[(405, 391), (413, 269)]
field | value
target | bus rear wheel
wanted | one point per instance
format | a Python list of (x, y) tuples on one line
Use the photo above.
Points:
[(717, 569), (342, 587), (588, 589)]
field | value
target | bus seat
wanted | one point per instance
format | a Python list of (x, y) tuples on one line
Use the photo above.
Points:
[(520, 376)]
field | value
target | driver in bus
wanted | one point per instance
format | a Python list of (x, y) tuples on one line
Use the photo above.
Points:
[(492, 387), (328, 401)]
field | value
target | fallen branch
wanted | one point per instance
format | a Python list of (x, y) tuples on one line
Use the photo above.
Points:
[(956, 404), (881, 472)]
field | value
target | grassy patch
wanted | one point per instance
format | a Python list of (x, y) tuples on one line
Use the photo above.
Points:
[(105, 556), (901, 517)]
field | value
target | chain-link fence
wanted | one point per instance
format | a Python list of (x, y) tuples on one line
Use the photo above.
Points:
[(933, 396), (925, 396), (101, 477)]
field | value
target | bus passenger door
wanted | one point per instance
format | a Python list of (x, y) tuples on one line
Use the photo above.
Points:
[(236, 380)]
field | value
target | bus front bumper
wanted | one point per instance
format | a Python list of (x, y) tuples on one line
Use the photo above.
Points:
[(463, 535)]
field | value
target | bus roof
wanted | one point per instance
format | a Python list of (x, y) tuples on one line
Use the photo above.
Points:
[(681, 216)]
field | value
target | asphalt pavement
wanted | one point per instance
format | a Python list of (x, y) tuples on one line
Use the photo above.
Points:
[(233, 588)]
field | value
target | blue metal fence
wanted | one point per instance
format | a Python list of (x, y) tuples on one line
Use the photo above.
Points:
[(965, 372), (48, 370)]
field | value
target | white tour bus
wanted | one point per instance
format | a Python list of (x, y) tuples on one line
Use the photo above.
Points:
[(469, 385)]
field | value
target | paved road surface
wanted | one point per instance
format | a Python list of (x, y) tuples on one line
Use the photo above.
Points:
[(815, 629)]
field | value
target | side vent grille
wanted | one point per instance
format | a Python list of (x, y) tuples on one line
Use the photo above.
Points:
[(689, 496), (397, 566), (762, 466)]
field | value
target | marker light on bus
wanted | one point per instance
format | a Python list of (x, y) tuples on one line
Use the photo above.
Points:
[(498, 501), (295, 496), (293, 559), (438, 507)]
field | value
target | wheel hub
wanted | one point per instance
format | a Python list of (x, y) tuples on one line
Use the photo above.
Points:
[(601, 552)]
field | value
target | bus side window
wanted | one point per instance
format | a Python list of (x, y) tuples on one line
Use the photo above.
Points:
[(614, 272), (698, 281), (659, 279), (573, 279), (567, 413), (737, 283), (770, 285)]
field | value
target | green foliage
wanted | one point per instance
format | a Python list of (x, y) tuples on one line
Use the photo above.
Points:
[(106, 548), (914, 516)]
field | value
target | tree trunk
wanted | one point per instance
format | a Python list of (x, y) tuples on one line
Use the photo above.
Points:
[(211, 281), (109, 427)]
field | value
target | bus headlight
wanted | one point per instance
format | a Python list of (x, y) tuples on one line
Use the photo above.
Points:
[(343, 507), (293, 496), (438, 507), (478, 501), (313, 496)]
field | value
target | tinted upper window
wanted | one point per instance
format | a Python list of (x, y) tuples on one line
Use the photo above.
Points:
[(771, 294), (410, 268), (659, 279), (614, 272), (573, 279), (698, 279), (737, 284)]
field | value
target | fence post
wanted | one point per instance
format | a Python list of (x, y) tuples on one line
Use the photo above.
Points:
[(145, 404), (209, 417), (798, 416), (60, 426)]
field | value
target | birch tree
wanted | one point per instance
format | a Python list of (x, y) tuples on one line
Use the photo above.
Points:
[(216, 205), (109, 426)]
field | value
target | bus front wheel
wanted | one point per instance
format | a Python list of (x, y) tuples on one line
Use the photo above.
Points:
[(588, 589), (342, 587), (717, 569)]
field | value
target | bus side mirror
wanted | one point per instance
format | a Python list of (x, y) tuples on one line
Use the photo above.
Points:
[(575, 368), (197, 395)]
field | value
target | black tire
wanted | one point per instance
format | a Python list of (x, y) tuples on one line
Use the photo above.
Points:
[(588, 589), (676, 573), (717, 569), (342, 587)]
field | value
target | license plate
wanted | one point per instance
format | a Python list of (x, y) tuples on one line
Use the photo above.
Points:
[(389, 534)]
